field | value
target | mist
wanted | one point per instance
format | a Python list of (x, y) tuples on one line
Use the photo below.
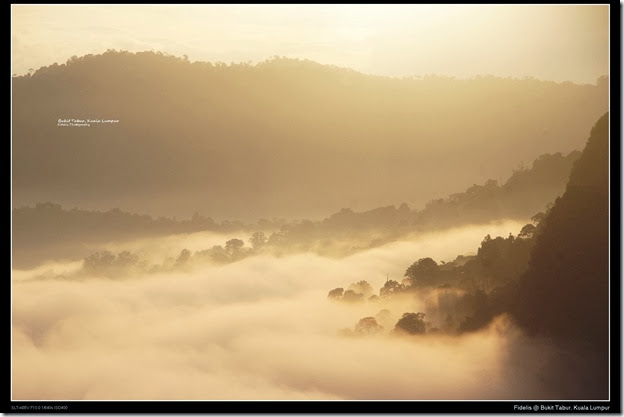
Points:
[(260, 328), (301, 203), (237, 141)]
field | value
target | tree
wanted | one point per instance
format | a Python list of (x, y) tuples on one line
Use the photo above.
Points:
[(390, 287), (424, 271), (277, 238), (218, 254), (527, 232), (336, 294), (412, 323), (184, 257), (384, 316), (362, 287), (352, 296), (127, 259), (98, 261), (367, 326), (257, 240), (109, 264), (234, 245)]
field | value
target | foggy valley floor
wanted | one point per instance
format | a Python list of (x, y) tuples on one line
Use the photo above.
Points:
[(131, 307), (260, 328), (311, 203), (178, 316)]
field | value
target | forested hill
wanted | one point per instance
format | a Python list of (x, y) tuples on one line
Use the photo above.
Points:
[(47, 230), (565, 292), (284, 137), (552, 279), (525, 193)]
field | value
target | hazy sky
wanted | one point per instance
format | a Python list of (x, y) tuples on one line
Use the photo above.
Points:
[(560, 42)]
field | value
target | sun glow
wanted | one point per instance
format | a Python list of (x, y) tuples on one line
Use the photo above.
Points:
[(461, 40)]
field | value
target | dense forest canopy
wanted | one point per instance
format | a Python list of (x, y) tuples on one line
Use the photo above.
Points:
[(570, 263)]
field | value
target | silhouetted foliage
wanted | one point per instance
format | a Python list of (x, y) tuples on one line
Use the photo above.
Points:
[(362, 287), (390, 288), (383, 316), (108, 264), (257, 240), (234, 245), (477, 303), (356, 292), (47, 230), (183, 258), (368, 326), (527, 232), (553, 278), (425, 271), (531, 189), (351, 296), (412, 323), (565, 291), (336, 294)]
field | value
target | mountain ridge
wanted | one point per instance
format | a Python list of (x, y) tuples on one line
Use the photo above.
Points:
[(239, 141), (526, 192)]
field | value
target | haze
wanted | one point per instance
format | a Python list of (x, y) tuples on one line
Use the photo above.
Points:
[(559, 43), (310, 202), (261, 328)]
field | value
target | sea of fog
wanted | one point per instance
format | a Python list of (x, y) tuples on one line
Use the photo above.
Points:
[(260, 328)]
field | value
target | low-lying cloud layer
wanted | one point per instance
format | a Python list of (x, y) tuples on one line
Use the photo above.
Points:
[(260, 328)]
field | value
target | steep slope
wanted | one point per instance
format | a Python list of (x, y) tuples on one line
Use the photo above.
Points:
[(564, 295)]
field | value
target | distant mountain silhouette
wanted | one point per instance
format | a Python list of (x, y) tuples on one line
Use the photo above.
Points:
[(525, 193), (49, 232), (285, 137), (46, 230)]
